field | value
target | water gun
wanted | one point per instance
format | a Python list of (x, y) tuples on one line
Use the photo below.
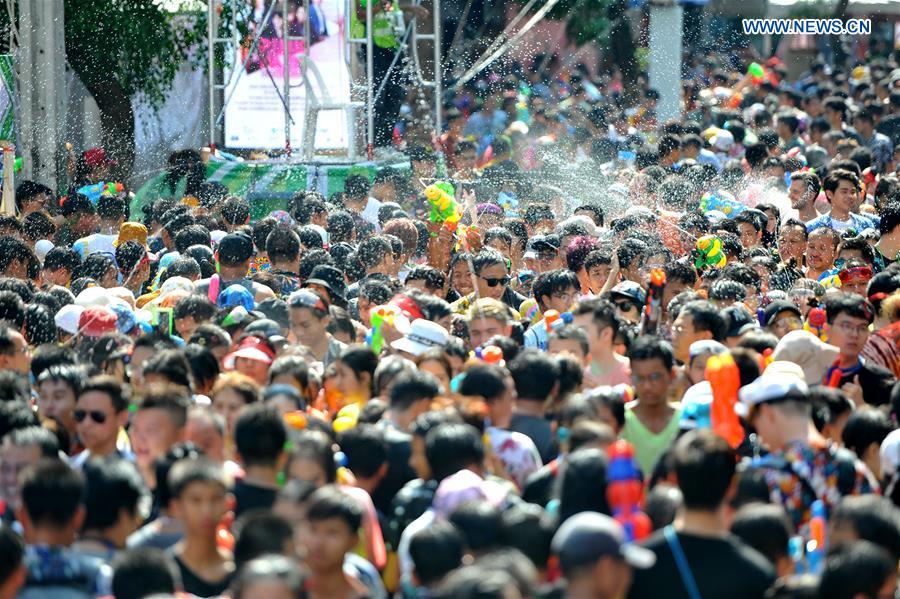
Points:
[(380, 315), (625, 491), (653, 311), (725, 379), (721, 201), (817, 543), (815, 323), (489, 355), (444, 208), (708, 253), (759, 74), (93, 192), (554, 321)]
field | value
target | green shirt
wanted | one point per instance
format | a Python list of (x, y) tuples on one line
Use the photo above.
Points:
[(382, 27), (649, 446)]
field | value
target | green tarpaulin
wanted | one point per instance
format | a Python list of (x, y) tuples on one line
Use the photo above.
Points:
[(267, 185)]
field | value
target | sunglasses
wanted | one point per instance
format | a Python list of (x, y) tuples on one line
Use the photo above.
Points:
[(624, 306), (857, 272), (491, 282), (96, 415)]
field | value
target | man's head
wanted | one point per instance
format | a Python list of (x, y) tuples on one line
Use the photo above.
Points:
[(821, 248), (334, 519), (283, 247), (781, 317), (535, 374), (52, 500), (651, 369), (864, 123), (116, 502), (792, 241), (12, 563), (491, 271), (777, 406), (111, 211), (376, 255), (594, 555), (259, 436), (356, 192), (599, 321), (58, 389), (572, 340), (849, 317), (234, 251), (556, 290), (496, 387), (841, 189), (100, 413), (21, 448), (309, 317), (140, 571), (32, 197), (860, 569), (199, 495), (750, 228), (59, 264), (704, 464), (158, 423), (451, 446), (80, 214), (486, 318), (697, 321), (804, 189), (412, 392)]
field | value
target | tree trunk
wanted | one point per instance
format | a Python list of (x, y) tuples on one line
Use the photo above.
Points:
[(621, 46), (116, 114)]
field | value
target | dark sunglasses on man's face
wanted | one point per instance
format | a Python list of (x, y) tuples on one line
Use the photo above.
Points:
[(498, 281), (624, 306), (96, 415)]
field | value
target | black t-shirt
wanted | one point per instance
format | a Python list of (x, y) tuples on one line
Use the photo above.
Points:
[(249, 497), (539, 431), (399, 472), (723, 568), (539, 486), (876, 383), (191, 583)]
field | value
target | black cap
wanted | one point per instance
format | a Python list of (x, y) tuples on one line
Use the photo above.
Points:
[(235, 249), (331, 279), (585, 538), (277, 310), (545, 243), (777, 307), (738, 321)]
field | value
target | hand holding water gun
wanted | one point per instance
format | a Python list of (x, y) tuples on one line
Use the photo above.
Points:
[(553, 320), (93, 192), (815, 323), (625, 491), (381, 315), (708, 253), (725, 379), (653, 311), (721, 201), (444, 207)]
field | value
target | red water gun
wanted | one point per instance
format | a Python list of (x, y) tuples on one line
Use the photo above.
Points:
[(625, 491), (653, 311), (725, 379)]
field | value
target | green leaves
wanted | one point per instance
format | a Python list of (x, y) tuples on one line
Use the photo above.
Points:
[(140, 44)]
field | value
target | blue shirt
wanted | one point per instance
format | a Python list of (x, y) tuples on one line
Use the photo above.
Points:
[(858, 222)]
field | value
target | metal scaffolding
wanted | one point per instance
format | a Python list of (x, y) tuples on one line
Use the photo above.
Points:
[(219, 83)]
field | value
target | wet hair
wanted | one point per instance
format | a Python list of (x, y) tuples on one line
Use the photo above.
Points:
[(451, 446), (259, 435), (111, 486), (581, 484), (860, 568), (51, 492), (765, 528), (705, 466), (143, 571), (436, 551), (315, 446), (330, 502)]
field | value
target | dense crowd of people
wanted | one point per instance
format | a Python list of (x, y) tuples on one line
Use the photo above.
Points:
[(574, 351)]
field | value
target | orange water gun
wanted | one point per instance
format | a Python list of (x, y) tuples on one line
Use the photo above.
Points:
[(725, 379)]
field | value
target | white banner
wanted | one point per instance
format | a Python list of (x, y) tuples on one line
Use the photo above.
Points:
[(254, 114)]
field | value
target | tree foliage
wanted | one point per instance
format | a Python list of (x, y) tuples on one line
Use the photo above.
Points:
[(137, 43)]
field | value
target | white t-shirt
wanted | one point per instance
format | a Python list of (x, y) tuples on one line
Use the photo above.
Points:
[(95, 244), (370, 214)]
